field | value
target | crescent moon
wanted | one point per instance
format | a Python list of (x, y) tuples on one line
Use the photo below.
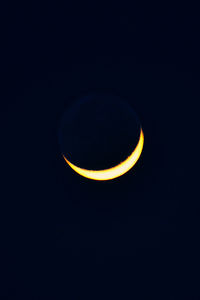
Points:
[(113, 172)]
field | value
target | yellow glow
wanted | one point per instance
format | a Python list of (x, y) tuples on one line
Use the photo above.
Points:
[(116, 171)]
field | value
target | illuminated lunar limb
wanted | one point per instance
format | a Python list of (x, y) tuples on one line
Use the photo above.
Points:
[(113, 172)]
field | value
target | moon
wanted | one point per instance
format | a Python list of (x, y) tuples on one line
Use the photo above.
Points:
[(100, 137), (116, 171)]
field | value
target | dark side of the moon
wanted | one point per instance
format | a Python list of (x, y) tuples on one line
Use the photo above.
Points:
[(98, 132)]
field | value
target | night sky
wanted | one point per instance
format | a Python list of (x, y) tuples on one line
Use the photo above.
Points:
[(64, 236)]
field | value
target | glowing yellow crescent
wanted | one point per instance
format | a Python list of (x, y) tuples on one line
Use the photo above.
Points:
[(116, 171)]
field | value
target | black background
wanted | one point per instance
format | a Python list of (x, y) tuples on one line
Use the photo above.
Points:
[(66, 237)]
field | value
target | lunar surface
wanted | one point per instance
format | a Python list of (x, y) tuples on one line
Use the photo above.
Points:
[(101, 137)]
